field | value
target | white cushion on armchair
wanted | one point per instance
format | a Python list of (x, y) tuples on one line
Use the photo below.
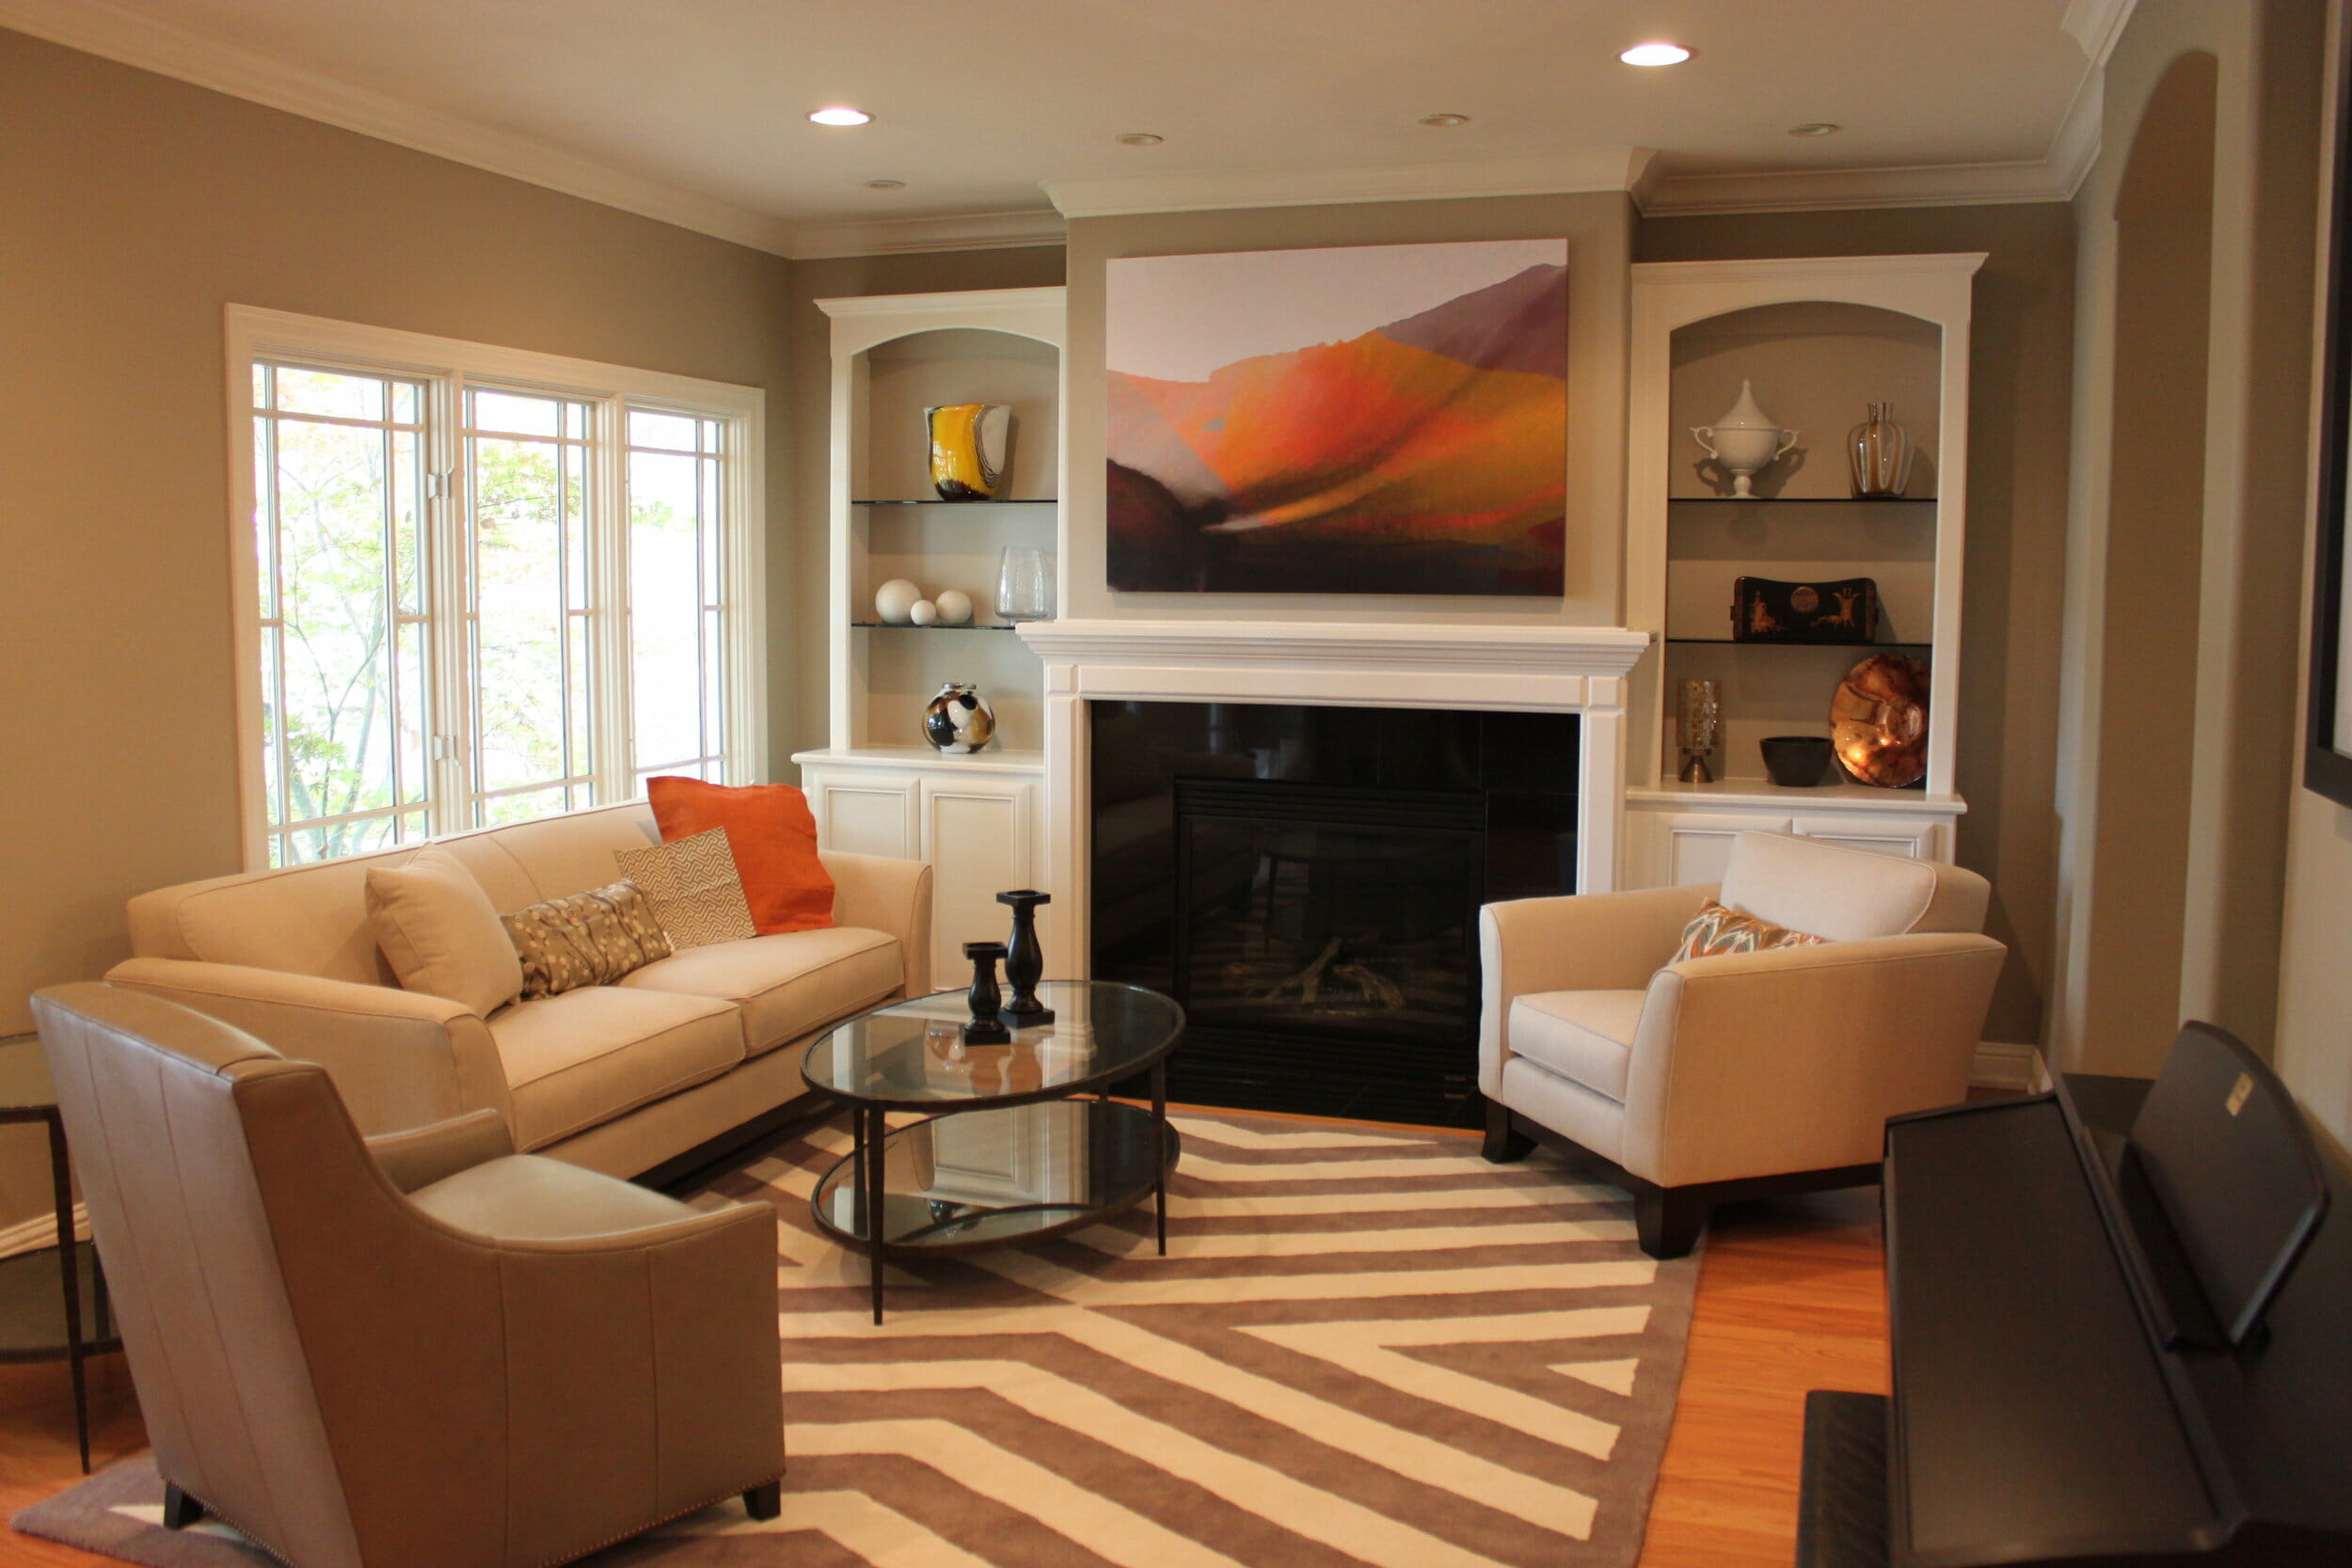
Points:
[(1742, 1065)]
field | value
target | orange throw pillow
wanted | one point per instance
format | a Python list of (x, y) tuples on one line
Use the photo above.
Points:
[(775, 839)]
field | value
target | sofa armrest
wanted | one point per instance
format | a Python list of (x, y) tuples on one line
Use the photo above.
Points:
[(1587, 941), (398, 1058), (1793, 1058), (423, 1155), (879, 894)]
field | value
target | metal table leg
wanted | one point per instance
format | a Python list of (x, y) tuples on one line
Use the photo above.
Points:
[(1159, 1147), (70, 1271), (876, 1246)]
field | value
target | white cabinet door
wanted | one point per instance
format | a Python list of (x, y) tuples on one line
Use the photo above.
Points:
[(1698, 844), (1916, 838), (863, 813), (975, 832)]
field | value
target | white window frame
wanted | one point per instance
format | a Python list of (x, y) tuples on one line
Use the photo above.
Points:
[(449, 366)]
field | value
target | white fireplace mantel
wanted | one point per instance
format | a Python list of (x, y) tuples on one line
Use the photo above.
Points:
[(1546, 668)]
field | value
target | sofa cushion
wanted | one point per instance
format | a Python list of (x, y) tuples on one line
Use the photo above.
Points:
[(530, 1198), (784, 985), (775, 839), (1842, 893), (586, 1057), (1584, 1036), (440, 933)]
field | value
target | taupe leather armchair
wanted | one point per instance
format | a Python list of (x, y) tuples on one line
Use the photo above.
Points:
[(447, 1355), (1748, 1073)]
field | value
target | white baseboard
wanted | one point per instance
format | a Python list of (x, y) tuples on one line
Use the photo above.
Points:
[(40, 1231), (2001, 1065)]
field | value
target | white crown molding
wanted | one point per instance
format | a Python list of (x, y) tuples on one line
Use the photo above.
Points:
[(900, 236), (1206, 190), (1828, 190), (167, 49), (2095, 24), (2076, 148)]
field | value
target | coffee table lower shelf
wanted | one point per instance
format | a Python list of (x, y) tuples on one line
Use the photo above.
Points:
[(968, 1180)]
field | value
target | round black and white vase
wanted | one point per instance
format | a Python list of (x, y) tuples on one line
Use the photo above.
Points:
[(959, 721)]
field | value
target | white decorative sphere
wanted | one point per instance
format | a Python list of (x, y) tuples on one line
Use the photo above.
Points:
[(893, 601), (923, 612), (955, 607)]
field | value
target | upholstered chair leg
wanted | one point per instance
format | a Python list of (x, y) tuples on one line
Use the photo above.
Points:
[(1502, 1145), (1667, 1220), (179, 1509), (764, 1502)]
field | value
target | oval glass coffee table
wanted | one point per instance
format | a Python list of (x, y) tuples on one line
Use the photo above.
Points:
[(1012, 1152)]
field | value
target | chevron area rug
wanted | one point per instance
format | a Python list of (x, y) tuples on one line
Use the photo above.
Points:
[(1364, 1349)]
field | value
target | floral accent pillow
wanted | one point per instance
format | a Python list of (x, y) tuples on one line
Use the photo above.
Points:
[(590, 939), (1717, 929)]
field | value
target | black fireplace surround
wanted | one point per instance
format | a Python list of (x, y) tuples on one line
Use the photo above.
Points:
[(1306, 882)]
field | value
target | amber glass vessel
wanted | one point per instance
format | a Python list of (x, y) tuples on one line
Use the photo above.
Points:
[(1878, 451)]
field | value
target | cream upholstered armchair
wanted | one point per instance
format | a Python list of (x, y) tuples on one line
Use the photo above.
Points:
[(1744, 1074), (448, 1356)]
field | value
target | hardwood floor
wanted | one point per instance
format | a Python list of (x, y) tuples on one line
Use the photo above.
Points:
[(1791, 1297)]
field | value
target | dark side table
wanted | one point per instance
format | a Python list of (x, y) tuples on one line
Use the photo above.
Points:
[(33, 1285)]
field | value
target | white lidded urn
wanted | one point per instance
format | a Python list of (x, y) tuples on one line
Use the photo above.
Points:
[(1744, 440)]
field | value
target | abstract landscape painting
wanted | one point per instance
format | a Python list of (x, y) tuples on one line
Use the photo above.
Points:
[(1367, 420)]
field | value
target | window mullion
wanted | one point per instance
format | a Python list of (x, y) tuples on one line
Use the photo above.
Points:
[(448, 532), (608, 596)]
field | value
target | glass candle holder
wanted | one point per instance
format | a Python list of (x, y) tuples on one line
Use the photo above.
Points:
[(1024, 585), (1702, 719)]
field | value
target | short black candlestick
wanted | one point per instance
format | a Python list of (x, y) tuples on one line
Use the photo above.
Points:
[(1024, 960), (987, 1001)]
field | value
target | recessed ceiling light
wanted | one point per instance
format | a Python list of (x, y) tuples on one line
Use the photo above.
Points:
[(1815, 128), (839, 114), (885, 185), (1139, 138), (1655, 54), (1445, 121)]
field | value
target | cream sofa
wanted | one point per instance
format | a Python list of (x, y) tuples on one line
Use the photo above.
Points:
[(616, 1078)]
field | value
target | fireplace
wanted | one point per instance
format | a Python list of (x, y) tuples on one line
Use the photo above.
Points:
[(1306, 882)]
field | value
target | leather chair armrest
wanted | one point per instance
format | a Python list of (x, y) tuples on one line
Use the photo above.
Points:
[(423, 1155), (1588, 941), (1793, 1058), (398, 1058), (883, 895)]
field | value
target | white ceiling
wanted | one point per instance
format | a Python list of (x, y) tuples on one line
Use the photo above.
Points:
[(693, 110)]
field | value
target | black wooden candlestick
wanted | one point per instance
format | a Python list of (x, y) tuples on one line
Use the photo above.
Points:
[(1024, 960), (986, 1028)]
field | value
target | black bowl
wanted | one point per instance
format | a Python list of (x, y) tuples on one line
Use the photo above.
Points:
[(1797, 760)]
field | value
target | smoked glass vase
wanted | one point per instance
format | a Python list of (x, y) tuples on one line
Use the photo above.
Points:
[(1879, 452)]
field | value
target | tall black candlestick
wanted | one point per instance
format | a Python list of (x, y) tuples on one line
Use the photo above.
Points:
[(1024, 960)]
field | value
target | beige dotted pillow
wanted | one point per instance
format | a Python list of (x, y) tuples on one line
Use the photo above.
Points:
[(590, 939)]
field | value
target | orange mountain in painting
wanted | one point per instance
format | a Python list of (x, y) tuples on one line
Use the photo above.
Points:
[(1427, 456)]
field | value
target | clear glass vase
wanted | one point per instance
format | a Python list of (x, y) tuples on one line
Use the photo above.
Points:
[(1024, 585), (1879, 452)]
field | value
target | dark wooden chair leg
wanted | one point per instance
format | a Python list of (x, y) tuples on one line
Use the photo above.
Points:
[(179, 1509), (1667, 1220), (1503, 1144), (764, 1502)]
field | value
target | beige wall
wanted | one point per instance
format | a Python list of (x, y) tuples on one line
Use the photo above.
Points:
[(849, 277), (2232, 726), (1598, 229), (132, 208), (2017, 472)]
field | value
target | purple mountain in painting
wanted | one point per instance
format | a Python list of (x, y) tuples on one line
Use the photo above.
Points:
[(1520, 324)]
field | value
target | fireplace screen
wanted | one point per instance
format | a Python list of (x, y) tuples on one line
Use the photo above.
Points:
[(1347, 912), (1305, 882)]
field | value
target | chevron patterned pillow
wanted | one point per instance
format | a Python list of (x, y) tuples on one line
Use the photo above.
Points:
[(1717, 929)]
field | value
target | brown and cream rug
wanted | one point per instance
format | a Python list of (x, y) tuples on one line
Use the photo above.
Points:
[(1364, 1349)]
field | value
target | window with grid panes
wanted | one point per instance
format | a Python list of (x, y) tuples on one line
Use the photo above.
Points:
[(481, 597)]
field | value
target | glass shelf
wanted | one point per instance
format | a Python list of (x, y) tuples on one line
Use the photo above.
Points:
[(991, 500), (909, 625), (1754, 643), (1800, 501)]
